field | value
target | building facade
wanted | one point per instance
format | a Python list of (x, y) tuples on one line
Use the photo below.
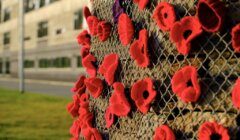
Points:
[(51, 28)]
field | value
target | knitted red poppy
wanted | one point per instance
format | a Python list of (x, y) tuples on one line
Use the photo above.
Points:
[(84, 99), (236, 38), (88, 62), (141, 3), (84, 38), (92, 22), (86, 12), (109, 67), (211, 14), (94, 86), (75, 129), (143, 94), (236, 94), (164, 15), (109, 117), (93, 134), (79, 86), (183, 32), (185, 84), (125, 29), (139, 51), (164, 133), (118, 102), (85, 50), (212, 130), (104, 30), (73, 107)]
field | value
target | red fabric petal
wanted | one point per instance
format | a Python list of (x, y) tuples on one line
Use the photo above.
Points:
[(84, 99), (73, 107), (125, 29), (211, 14), (164, 133), (87, 62), (141, 3), (143, 94), (236, 94), (75, 129), (164, 15), (86, 12), (95, 86), (209, 129), (104, 30), (109, 67), (109, 117), (84, 38), (183, 32), (185, 84), (92, 22), (85, 51), (79, 86), (236, 38), (118, 102), (139, 51)]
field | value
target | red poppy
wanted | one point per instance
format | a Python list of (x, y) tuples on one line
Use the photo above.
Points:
[(85, 51), (185, 84), (104, 30), (164, 133), (164, 15), (236, 38), (88, 62), (141, 3), (79, 86), (183, 32), (139, 51), (84, 99), (109, 67), (125, 29), (236, 94), (86, 124), (84, 38), (109, 117), (211, 14), (118, 102), (143, 94), (86, 12), (212, 130), (92, 22), (95, 86), (75, 129), (73, 107)]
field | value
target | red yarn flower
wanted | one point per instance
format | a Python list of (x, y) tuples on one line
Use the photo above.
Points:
[(183, 32), (139, 51), (75, 129), (109, 67), (84, 38), (84, 99), (118, 102), (93, 134), (212, 130), (125, 29), (164, 133), (85, 51), (95, 86), (236, 94), (141, 3), (109, 117), (211, 14), (73, 107), (104, 30), (86, 12), (143, 94), (79, 86), (88, 62), (185, 84), (164, 15), (236, 38), (92, 22)]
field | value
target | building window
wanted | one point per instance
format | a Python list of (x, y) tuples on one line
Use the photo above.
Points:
[(7, 64), (78, 20), (42, 29), (6, 15), (42, 3), (79, 61), (51, 1), (60, 62), (6, 38), (45, 63), (28, 64), (29, 5), (1, 65)]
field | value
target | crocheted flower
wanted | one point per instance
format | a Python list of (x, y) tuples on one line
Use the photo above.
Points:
[(94, 86), (109, 67), (183, 32), (236, 38), (84, 99), (117, 10), (73, 107), (109, 117), (185, 84), (236, 94), (84, 38), (125, 29), (164, 133), (211, 14), (141, 3), (212, 131), (88, 62), (92, 22), (139, 51), (164, 15), (118, 102), (104, 30), (143, 94), (79, 86), (86, 12), (75, 129), (85, 50), (93, 134)]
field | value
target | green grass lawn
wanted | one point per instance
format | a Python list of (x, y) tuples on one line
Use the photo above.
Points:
[(33, 116)]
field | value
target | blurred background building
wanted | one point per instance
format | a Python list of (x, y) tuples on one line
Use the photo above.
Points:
[(51, 28)]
